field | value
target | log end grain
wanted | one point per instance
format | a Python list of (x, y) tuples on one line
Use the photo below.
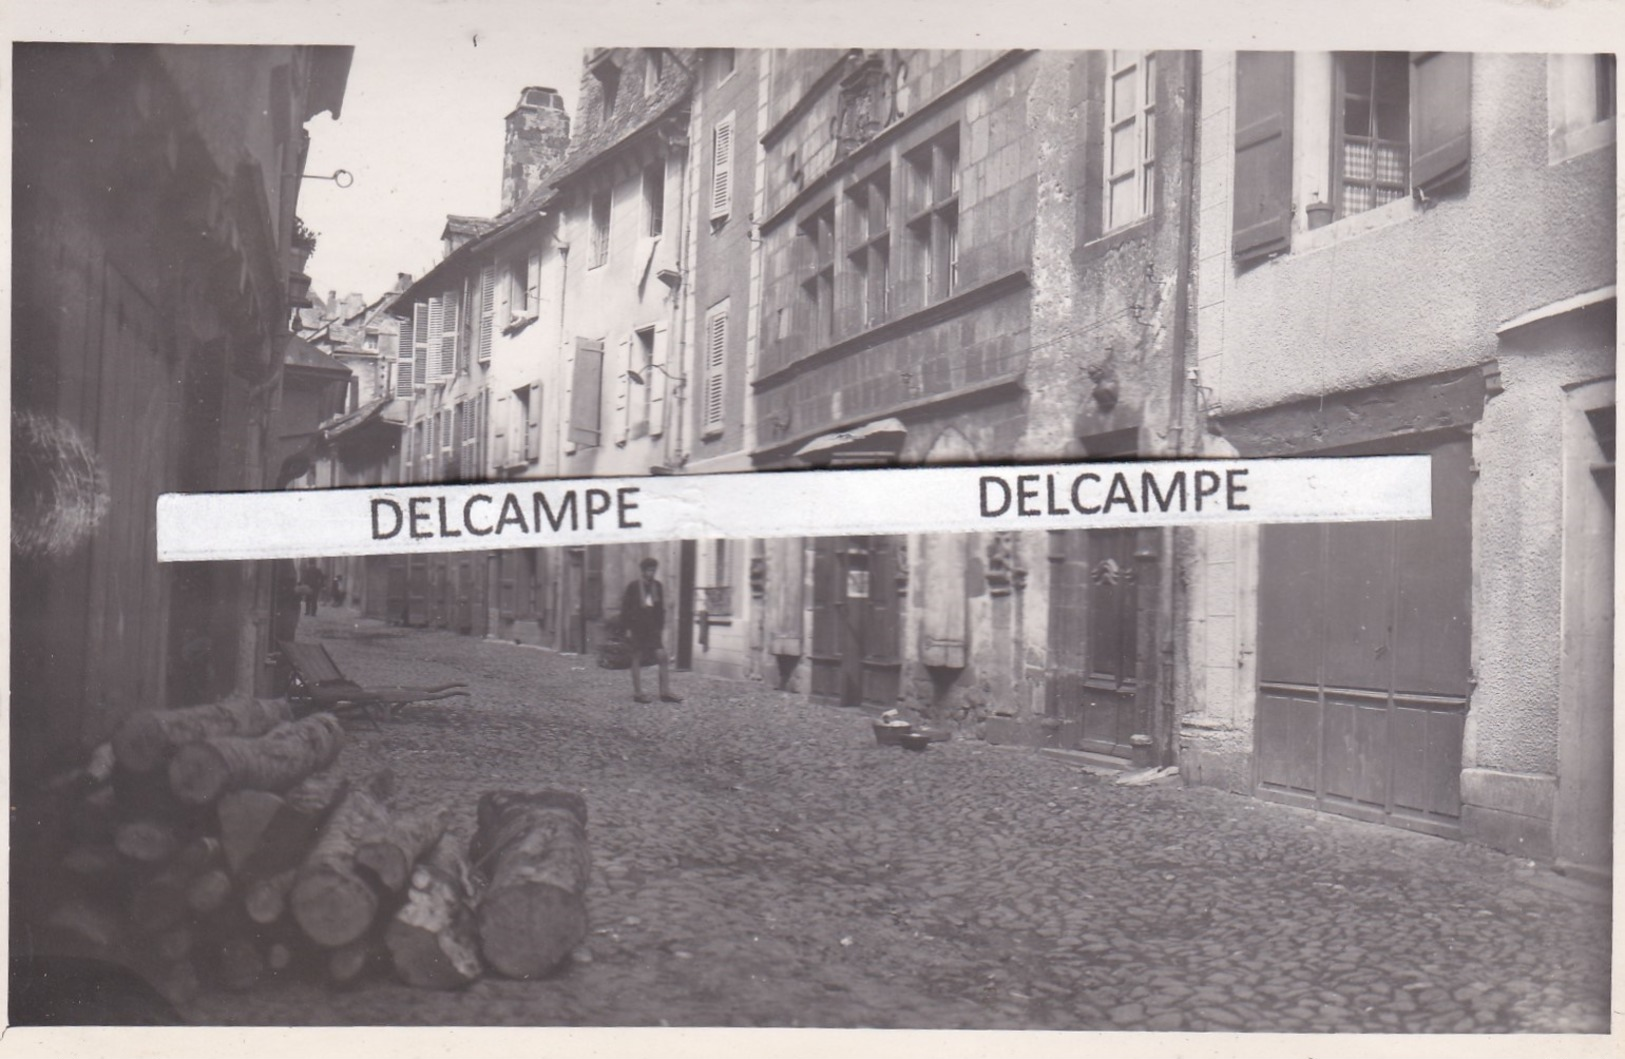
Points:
[(333, 908), (430, 960), (527, 930)]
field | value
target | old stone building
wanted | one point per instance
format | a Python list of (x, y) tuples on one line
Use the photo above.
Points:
[(1413, 253)]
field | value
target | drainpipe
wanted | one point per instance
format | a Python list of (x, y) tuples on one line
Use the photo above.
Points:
[(1175, 541)]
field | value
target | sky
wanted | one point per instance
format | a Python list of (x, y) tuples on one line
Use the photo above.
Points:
[(422, 131)]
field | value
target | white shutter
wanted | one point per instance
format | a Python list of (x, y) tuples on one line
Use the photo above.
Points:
[(449, 305), (716, 356), (405, 359), (623, 398), (433, 340), (499, 440), (532, 426), (722, 165), (657, 384), (420, 342), (533, 283), (488, 292)]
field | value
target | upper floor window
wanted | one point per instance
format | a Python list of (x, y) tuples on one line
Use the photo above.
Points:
[(1399, 126), (654, 197), (724, 59), (868, 241), (722, 164), (609, 85), (1371, 156), (600, 229), (651, 71), (1581, 93), (932, 192), (1131, 137), (817, 236)]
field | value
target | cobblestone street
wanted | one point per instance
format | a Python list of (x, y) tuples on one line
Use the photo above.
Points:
[(761, 862)]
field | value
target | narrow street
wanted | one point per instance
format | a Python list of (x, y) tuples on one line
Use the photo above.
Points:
[(762, 862)]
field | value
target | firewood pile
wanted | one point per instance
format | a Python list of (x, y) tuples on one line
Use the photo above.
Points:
[(222, 844)]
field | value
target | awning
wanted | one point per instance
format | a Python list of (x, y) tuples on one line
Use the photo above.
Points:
[(388, 411), (880, 435)]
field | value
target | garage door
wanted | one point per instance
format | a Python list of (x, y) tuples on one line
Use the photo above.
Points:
[(1364, 639)]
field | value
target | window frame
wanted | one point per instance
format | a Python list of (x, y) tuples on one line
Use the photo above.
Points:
[(816, 277), (1141, 175), (868, 230), (1336, 170), (598, 248), (654, 199), (931, 203)]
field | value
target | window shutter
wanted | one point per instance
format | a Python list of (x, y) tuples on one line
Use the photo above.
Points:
[(434, 339), (532, 426), (481, 446), (716, 355), (420, 342), (722, 144), (488, 305), (586, 392), (533, 283), (657, 385), (623, 393), (499, 441), (449, 305), (404, 358), (1441, 119), (1263, 188), (405, 474)]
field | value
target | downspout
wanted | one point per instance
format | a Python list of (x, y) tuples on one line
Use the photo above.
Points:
[(1175, 540)]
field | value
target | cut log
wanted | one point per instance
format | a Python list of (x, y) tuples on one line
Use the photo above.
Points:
[(160, 902), (147, 841), (346, 964), (279, 957), (146, 739), (331, 901), (200, 772), (208, 891), (178, 982), (92, 862), (199, 855), (91, 818), (241, 963), (244, 816), (266, 899), (433, 941), (389, 856), (174, 944), (532, 847)]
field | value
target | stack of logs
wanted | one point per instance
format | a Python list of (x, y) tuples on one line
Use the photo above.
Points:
[(222, 843)]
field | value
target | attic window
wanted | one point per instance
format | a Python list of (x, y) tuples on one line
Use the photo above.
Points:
[(609, 81), (651, 71)]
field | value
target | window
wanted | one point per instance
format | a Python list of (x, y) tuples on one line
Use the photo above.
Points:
[(722, 163), (488, 307), (933, 224), (716, 599), (405, 362), (449, 304), (643, 356), (525, 429), (609, 83), (654, 197), (651, 71), (420, 450), (715, 378), (869, 246), (1130, 137), (1581, 93), (1399, 125), (1372, 135), (723, 60), (446, 468), (600, 229), (586, 393), (421, 342), (817, 236)]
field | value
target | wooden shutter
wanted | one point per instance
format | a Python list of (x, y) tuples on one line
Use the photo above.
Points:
[(586, 392), (449, 305), (533, 283), (1263, 189), (722, 164), (716, 357), (1441, 118), (405, 359), (532, 426), (623, 392), (434, 339), (499, 442), (481, 449), (420, 342), (657, 384), (488, 306), (786, 559)]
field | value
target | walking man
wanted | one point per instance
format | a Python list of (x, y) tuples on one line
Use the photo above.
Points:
[(643, 617)]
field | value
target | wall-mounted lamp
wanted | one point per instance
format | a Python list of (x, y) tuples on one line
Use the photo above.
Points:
[(342, 177), (637, 376)]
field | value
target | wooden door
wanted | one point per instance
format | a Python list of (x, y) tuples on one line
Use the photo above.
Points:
[(1363, 660), (856, 621), (1094, 640)]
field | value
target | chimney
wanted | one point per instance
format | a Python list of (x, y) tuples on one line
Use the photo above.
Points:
[(538, 135), (403, 280)]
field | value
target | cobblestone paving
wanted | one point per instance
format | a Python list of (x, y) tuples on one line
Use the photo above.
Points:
[(761, 862)]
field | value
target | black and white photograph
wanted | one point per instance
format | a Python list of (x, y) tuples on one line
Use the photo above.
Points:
[(1175, 782)]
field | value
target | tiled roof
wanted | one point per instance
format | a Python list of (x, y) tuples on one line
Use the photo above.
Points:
[(634, 111)]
